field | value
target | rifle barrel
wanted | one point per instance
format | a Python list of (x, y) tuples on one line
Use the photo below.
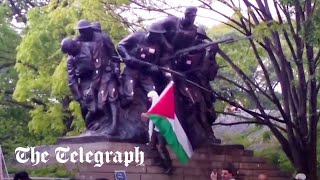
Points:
[(181, 75)]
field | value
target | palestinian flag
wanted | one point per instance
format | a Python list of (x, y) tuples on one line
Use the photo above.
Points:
[(163, 115)]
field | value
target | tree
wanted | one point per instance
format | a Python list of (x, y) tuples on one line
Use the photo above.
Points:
[(287, 42), (19, 8), (9, 39), (242, 55), (14, 115), (41, 66), (14, 130), (296, 72)]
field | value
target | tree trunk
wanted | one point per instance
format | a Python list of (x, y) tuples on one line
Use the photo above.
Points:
[(312, 163), (306, 161), (312, 154), (308, 165)]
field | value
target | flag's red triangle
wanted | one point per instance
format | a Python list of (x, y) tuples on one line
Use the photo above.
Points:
[(165, 104)]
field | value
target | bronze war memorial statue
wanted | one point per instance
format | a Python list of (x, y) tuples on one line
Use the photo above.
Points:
[(113, 102)]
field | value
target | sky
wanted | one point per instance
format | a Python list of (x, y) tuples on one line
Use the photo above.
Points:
[(204, 17)]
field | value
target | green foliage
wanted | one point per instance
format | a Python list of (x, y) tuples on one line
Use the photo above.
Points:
[(45, 76), (14, 119), (242, 54), (48, 119), (220, 106), (311, 30), (237, 51), (60, 88), (77, 123), (265, 29), (271, 150), (242, 138), (9, 39), (14, 130), (49, 171), (19, 8), (266, 136), (287, 2), (274, 155)]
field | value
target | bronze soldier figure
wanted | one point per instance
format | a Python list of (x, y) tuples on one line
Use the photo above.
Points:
[(206, 72), (140, 46), (80, 76), (180, 32), (107, 71), (97, 26)]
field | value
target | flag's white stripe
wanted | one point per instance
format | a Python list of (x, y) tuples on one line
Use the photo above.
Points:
[(181, 135)]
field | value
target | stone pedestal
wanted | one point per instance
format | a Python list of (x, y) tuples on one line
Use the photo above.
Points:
[(95, 138), (203, 161)]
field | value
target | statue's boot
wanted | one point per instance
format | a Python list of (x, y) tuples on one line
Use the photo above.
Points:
[(211, 116), (214, 140), (211, 137), (89, 119), (207, 118), (210, 133), (115, 118)]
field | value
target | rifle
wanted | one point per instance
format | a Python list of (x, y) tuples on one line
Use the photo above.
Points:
[(178, 53), (133, 59), (181, 52), (197, 47), (178, 74), (192, 48)]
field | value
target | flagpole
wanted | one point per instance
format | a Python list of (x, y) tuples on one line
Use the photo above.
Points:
[(4, 163), (1, 169)]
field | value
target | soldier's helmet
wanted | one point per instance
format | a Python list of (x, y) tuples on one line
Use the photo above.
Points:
[(191, 9), (156, 28), (83, 24), (96, 25), (202, 33), (66, 45)]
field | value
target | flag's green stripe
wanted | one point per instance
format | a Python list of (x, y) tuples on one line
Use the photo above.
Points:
[(166, 130)]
